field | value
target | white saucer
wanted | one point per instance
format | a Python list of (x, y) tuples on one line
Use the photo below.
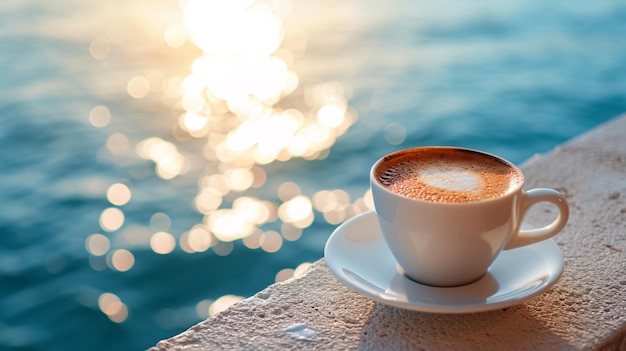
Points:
[(357, 255)]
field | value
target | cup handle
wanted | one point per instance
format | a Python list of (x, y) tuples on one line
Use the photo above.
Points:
[(530, 236)]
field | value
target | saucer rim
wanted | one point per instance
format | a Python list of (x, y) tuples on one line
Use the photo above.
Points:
[(554, 274)]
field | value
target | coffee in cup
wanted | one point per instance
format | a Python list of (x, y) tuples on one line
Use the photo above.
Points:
[(447, 175), (446, 212)]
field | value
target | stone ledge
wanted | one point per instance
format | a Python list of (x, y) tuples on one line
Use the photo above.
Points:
[(585, 310)]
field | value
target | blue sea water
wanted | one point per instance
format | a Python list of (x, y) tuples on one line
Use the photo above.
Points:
[(514, 79)]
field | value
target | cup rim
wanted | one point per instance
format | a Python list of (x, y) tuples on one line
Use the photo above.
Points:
[(511, 192)]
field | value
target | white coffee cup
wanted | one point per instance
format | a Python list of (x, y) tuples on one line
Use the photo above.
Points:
[(451, 242)]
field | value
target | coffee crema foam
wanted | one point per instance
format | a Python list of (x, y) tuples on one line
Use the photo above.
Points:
[(447, 175)]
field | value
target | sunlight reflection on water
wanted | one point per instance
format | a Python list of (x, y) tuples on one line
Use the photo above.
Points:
[(233, 99)]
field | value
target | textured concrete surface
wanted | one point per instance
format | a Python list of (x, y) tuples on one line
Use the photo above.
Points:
[(586, 310)]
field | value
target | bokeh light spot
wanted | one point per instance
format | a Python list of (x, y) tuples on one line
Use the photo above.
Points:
[(240, 179), (288, 190), (253, 241), (138, 87), (109, 303), (259, 177), (368, 200), (118, 194), (175, 35), (223, 248), (202, 308), (160, 222), (228, 225), (162, 243), (169, 162), (223, 303), (252, 210), (113, 307), (111, 219), (100, 48), (297, 209), (283, 274), (395, 133), (301, 269), (100, 116), (120, 316), (193, 123), (118, 144), (207, 201), (122, 260), (97, 244), (271, 241), (331, 115), (200, 239), (98, 263), (290, 232)]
